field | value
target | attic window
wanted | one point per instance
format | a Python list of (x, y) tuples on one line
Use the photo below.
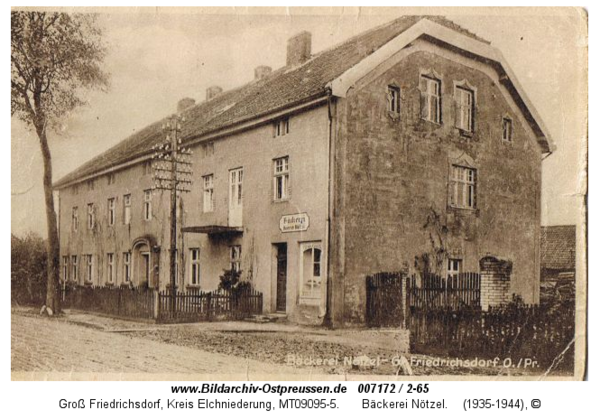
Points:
[(281, 127), (431, 99), (393, 98), (208, 149), (111, 178), (90, 185), (507, 129), (464, 99)]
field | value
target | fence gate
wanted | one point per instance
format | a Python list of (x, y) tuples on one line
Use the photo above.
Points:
[(452, 292), (392, 296), (384, 300)]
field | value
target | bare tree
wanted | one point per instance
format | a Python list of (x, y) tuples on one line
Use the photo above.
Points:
[(54, 58)]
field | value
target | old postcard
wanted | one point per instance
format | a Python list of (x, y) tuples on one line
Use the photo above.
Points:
[(298, 194)]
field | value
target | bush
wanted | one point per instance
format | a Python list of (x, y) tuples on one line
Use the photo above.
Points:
[(230, 280), (28, 269)]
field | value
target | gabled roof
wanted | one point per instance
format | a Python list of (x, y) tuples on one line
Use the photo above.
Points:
[(558, 247), (283, 88), (441, 34)]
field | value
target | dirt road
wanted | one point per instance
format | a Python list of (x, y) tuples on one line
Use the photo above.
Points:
[(52, 345)]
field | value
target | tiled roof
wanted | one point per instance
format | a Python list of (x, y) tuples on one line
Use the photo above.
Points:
[(283, 88), (558, 247)]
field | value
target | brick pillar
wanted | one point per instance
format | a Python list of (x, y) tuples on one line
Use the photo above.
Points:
[(495, 281)]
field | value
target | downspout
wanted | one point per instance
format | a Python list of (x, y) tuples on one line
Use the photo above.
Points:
[(328, 319)]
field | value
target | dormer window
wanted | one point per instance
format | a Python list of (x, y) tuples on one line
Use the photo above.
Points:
[(281, 127)]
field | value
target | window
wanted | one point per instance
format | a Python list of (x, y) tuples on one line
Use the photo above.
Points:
[(431, 99), (236, 180), (75, 189), (454, 268), (90, 185), (127, 209), (91, 216), (465, 108), (281, 179), (74, 266), (208, 201), (148, 204), (235, 258), (208, 148), (111, 178), (281, 127), (507, 129), (311, 270), (110, 268), (147, 167), (89, 269), (111, 211), (462, 187), (236, 187), (393, 100), (126, 267), (194, 266), (75, 219), (65, 270)]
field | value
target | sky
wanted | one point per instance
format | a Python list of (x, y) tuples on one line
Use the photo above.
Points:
[(158, 56)]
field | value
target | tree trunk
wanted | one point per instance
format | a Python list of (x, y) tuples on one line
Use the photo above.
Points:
[(52, 250)]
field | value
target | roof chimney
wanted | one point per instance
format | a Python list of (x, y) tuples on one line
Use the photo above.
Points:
[(298, 49), (213, 91), (261, 71), (186, 102)]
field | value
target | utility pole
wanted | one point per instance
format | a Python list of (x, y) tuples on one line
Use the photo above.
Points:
[(172, 172)]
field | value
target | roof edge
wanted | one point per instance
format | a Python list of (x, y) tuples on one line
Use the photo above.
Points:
[(239, 126)]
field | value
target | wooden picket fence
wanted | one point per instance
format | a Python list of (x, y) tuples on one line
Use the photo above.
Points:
[(385, 300), (197, 305), (391, 294), (192, 305), (445, 318), (135, 303), (452, 292), (515, 331)]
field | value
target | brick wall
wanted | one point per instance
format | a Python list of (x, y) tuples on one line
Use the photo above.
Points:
[(495, 281)]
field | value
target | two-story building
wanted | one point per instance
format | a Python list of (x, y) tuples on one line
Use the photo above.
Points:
[(411, 138)]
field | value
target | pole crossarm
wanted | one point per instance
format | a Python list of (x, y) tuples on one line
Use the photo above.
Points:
[(172, 164)]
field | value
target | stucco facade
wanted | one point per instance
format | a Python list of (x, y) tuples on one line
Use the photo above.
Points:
[(254, 151), (327, 171), (393, 176)]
